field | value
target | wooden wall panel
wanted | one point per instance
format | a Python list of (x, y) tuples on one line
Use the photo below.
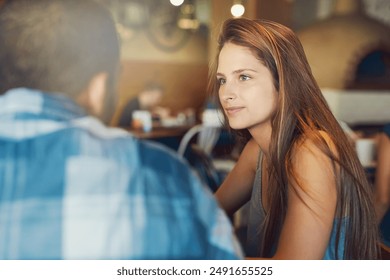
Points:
[(184, 84)]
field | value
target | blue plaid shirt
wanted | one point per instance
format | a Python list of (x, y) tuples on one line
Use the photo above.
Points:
[(71, 188)]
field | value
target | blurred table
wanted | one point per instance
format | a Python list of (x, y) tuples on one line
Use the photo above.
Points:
[(161, 132), (168, 135)]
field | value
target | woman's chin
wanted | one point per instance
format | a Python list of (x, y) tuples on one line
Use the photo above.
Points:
[(236, 126)]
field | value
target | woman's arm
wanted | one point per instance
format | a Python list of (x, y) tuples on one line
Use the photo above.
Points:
[(382, 177), (311, 205), (236, 189)]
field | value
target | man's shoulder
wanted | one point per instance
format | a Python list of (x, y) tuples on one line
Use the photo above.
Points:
[(122, 139), (118, 145)]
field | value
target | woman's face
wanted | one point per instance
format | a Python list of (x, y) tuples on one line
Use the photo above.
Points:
[(247, 92)]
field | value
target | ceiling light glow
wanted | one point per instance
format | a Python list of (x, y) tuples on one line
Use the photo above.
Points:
[(176, 2), (237, 10)]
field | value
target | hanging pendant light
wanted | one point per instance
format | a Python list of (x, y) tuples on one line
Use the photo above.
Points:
[(238, 8)]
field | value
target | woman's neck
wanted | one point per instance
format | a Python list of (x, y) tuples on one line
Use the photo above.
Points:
[(262, 136)]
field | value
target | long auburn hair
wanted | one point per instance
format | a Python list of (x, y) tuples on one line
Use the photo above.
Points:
[(302, 113)]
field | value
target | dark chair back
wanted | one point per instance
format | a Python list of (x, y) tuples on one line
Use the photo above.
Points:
[(203, 165)]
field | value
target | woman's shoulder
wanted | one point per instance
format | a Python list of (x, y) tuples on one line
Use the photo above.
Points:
[(312, 152), (313, 168), (314, 142)]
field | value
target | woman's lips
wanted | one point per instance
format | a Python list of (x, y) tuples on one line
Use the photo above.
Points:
[(231, 111)]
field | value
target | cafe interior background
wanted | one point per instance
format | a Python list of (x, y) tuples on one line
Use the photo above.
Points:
[(347, 43)]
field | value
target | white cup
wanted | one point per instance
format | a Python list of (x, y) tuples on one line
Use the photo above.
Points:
[(145, 118), (365, 149)]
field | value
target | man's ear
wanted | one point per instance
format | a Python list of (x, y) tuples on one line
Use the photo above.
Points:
[(94, 95)]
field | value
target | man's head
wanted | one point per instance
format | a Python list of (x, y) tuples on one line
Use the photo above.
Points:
[(151, 96), (58, 46)]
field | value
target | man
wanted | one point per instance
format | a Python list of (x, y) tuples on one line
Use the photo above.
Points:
[(70, 187)]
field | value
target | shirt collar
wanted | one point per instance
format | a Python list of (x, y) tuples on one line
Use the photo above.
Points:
[(23, 101)]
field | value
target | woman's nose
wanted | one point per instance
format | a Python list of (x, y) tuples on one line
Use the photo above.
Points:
[(227, 92)]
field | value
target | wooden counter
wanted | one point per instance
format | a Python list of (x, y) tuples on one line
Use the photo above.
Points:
[(161, 132)]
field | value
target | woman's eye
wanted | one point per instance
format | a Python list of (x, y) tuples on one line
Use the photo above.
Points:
[(244, 78), (221, 81)]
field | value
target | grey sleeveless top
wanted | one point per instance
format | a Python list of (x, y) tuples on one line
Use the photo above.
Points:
[(256, 220), (256, 215)]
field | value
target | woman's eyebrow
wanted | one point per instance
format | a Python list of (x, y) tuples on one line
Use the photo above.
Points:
[(238, 71), (243, 70)]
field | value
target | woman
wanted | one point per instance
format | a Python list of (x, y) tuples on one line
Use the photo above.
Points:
[(309, 197)]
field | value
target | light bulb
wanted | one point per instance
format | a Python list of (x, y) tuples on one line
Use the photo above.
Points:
[(176, 2), (237, 10)]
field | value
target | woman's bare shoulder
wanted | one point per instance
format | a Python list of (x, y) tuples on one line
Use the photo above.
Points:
[(312, 163), (308, 144)]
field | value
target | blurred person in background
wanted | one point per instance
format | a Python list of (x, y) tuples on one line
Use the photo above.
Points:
[(148, 99), (309, 195), (70, 187)]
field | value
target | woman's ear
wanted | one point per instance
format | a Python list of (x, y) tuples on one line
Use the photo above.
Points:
[(93, 96)]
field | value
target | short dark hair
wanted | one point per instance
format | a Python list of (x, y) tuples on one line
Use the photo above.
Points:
[(56, 45)]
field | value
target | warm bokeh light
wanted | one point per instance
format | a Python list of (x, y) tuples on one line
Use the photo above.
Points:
[(176, 2), (237, 10)]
